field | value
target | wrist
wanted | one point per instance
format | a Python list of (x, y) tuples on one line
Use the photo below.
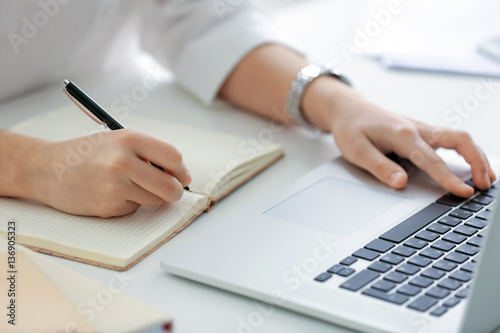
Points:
[(18, 166), (325, 99)]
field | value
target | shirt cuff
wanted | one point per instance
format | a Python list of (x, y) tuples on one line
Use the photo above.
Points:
[(206, 61)]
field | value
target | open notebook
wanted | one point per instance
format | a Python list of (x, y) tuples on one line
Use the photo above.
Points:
[(218, 164)]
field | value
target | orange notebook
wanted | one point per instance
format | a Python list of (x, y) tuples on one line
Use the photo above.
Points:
[(45, 296)]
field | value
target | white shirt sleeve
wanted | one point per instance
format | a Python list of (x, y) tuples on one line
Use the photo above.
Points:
[(201, 41)]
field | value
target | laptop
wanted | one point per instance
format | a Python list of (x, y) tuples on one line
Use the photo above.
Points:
[(340, 246)]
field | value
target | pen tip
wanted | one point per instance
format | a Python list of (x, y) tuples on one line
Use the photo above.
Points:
[(65, 82), (187, 188)]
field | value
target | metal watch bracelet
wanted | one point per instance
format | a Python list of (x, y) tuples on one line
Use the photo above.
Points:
[(298, 87)]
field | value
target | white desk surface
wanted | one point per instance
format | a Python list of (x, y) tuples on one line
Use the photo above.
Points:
[(196, 307)]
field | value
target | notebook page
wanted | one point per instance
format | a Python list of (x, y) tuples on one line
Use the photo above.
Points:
[(115, 241)]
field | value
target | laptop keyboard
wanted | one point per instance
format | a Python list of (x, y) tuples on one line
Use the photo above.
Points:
[(425, 262)]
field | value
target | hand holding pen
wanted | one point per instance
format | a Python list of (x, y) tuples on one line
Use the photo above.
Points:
[(95, 111), (111, 178)]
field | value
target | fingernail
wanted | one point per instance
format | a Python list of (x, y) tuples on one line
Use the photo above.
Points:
[(395, 179)]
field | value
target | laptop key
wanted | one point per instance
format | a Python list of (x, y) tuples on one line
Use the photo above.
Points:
[(450, 221), (392, 259), (465, 230), (445, 265), (481, 234), (491, 192), (450, 284), (461, 214), (346, 271), (456, 257), (433, 273), (414, 223), (409, 290), (423, 303), (407, 269), (450, 200), (468, 249), (476, 223), (349, 261), (366, 254), (438, 228), (484, 215), (451, 302), (416, 243), (431, 253), (461, 275), (443, 245), (380, 267), (474, 241), (472, 206), (393, 298), (335, 269), (383, 285), (323, 277), (438, 292), (483, 199), (404, 251), (379, 245), (421, 282), (359, 280), (468, 267), (454, 238), (462, 293), (396, 277), (420, 261), (439, 311), (427, 235)]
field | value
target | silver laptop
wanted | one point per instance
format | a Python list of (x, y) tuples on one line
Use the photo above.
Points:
[(342, 247)]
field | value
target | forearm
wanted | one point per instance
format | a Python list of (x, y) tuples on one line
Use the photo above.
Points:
[(261, 82), (15, 163)]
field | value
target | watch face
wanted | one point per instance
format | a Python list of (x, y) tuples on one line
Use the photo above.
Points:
[(310, 71)]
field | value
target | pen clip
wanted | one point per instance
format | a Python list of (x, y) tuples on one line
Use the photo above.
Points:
[(81, 107)]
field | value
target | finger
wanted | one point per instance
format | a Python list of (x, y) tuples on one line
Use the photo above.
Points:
[(491, 173), (365, 155), (143, 197), (423, 156), (462, 142), (159, 152), (108, 210), (155, 181)]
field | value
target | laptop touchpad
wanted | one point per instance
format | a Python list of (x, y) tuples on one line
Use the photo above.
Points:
[(336, 206)]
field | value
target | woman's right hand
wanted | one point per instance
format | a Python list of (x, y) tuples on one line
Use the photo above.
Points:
[(105, 174)]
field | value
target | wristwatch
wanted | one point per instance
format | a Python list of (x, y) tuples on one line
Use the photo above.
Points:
[(301, 83)]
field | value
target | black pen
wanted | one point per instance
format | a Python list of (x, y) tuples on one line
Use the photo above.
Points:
[(95, 111)]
